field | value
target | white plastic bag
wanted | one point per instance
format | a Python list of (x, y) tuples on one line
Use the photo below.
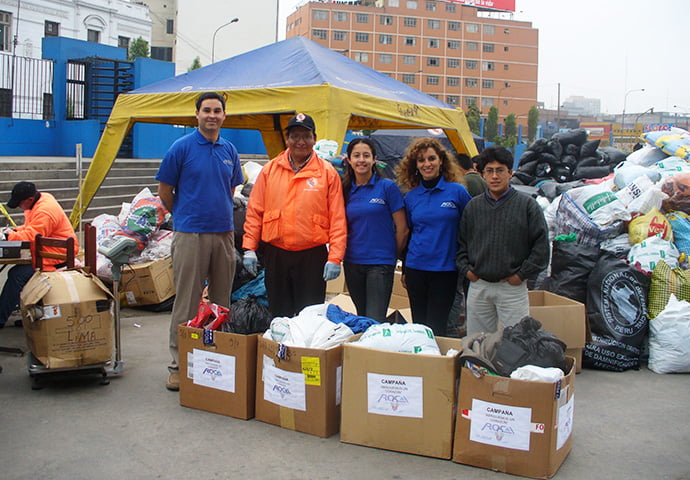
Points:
[(646, 254), (669, 338), (646, 156), (537, 374), (405, 338), (600, 203), (311, 328)]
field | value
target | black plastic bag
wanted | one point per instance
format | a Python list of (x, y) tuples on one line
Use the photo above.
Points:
[(570, 160), (543, 169), (571, 264), (617, 314), (523, 177), (247, 316), (539, 145), (589, 148), (242, 276), (528, 167), (555, 148), (239, 212), (571, 149), (577, 137), (612, 155), (548, 158), (527, 157), (591, 172)]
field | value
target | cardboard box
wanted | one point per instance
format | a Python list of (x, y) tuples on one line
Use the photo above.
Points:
[(400, 401), (565, 318), (148, 283), (300, 390), (217, 371), (68, 319), (337, 285), (514, 426), (398, 288)]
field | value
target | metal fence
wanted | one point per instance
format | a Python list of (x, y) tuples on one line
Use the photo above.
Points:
[(26, 87)]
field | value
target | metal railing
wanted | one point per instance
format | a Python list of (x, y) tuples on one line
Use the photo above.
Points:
[(26, 87)]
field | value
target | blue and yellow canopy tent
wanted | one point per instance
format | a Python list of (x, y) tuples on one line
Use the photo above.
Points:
[(264, 88)]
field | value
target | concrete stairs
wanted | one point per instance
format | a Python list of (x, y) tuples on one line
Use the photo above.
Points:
[(58, 176)]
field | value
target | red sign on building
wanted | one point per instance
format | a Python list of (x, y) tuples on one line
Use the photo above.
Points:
[(507, 5)]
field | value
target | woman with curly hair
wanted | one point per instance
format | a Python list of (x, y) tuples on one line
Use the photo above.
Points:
[(434, 206), (376, 230)]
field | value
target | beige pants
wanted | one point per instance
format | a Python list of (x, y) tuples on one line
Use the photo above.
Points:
[(197, 258)]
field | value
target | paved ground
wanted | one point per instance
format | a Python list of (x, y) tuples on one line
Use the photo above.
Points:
[(631, 425)]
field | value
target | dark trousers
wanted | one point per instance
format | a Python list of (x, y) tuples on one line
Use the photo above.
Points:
[(431, 297), (17, 277), (370, 287), (294, 280)]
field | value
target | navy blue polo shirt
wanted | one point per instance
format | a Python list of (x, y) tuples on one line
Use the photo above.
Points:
[(370, 226), (433, 215), (203, 174)]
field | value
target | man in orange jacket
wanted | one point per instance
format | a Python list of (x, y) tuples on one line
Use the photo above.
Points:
[(295, 209), (44, 215)]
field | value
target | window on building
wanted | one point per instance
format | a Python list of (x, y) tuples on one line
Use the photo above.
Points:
[(162, 53), (386, 19), (5, 31), (410, 22), (433, 24), (361, 57), (506, 31), (487, 83), (123, 42), (411, 4), (433, 62), (339, 35), (51, 29), (362, 18), (505, 102), (472, 27), (340, 16), (385, 58), (488, 66), (488, 47), (489, 29), (471, 64), (452, 99), (433, 95), (470, 101), (170, 26), (319, 34), (93, 36), (505, 49), (454, 44), (471, 82), (431, 6), (393, 3), (471, 46), (453, 62), (361, 37), (453, 81), (450, 7), (432, 79), (433, 42), (319, 15), (487, 102), (408, 78), (506, 66), (409, 60), (453, 26), (409, 41), (386, 39)]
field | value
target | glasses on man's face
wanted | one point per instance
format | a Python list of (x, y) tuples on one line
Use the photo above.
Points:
[(497, 171), (300, 138)]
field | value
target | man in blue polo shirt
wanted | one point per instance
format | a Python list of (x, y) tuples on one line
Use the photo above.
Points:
[(197, 180)]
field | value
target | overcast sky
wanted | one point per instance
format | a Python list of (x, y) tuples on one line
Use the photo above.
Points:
[(606, 48)]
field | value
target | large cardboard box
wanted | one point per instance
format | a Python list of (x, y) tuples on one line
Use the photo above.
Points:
[(514, 426), (148, 283), (563, 317), (400, 401), (299, 388), (68, 319), (217, 371)]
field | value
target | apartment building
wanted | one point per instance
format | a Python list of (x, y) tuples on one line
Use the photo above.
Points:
[(459, 53)]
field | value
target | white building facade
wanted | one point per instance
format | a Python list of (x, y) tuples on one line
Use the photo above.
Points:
[(111, 22)]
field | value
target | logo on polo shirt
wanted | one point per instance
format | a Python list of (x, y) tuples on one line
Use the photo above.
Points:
[(228, 162), (379, 201), (312, 182), (449, 205)]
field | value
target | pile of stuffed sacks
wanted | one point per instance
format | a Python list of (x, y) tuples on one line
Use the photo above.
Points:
[(620, 243)]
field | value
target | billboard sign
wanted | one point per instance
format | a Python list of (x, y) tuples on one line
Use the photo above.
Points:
[(507, 5)]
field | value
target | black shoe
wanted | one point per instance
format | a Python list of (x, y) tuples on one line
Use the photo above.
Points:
[(18, 323)]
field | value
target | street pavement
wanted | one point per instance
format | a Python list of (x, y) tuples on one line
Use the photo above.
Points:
[(631, 425)]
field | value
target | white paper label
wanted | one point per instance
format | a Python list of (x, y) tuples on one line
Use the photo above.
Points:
[(500, 425), (565, 422), (51, 311), (214, 370), (131, 299), (395, 395), (190, 365), (286, 389), (338, 384)]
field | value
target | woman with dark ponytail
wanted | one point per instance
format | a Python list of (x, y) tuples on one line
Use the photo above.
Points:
[(376, 230)]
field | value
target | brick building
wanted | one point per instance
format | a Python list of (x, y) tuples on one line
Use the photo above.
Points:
[(461, 54)]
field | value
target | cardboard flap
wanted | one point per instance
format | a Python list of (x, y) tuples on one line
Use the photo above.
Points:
[(35, 289)]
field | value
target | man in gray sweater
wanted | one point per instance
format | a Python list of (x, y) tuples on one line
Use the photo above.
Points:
[(503, 241)]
